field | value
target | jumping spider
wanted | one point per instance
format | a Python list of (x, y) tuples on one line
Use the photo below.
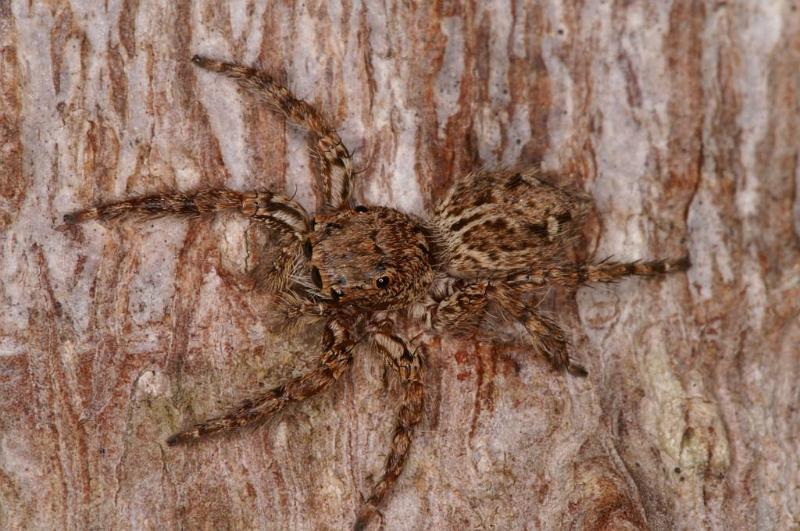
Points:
[(487, 249)]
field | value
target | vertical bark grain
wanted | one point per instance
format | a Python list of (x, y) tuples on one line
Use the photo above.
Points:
[(679, 117)]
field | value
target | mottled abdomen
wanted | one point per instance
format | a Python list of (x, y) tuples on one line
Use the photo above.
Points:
[(497, 223)]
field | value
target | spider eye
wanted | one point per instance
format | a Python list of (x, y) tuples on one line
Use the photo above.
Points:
[(336, 293), (316, 278), (360, 208), (307, 250), (382, 282)]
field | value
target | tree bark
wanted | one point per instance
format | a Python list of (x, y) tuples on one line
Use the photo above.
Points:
[(684, 119)]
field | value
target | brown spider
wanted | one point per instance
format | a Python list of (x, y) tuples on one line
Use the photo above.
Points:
[(495, 240)]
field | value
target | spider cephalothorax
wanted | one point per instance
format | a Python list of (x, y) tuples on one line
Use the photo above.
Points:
[(494, 242), (373, 258)]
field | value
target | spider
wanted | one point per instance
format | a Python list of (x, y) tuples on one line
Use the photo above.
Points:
[(485, 253)]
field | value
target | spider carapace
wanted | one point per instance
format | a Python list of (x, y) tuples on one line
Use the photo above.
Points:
[(484, 255), (369, 258)]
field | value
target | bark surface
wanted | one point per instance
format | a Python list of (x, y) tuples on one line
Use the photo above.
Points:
[(686, 116)]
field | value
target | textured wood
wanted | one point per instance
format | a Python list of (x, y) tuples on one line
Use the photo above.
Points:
[(687, 114)]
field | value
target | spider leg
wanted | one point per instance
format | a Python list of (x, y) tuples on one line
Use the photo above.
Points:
[(334, 361), (604, 271), (407, 361), (263, 206), (548, 338), (462, 311), (466, 308), (546, 335), (333, 158)]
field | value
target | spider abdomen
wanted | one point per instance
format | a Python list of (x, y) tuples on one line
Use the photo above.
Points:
[(498, 223)]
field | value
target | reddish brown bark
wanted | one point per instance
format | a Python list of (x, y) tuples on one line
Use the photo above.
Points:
[(686, 116)]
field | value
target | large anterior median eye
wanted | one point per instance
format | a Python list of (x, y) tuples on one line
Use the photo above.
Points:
[(315, 276), (382, 282)]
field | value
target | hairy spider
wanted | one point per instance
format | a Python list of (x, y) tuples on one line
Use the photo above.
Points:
[(496, 239)]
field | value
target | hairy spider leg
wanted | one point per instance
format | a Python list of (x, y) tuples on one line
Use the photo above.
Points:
[(332, 364), (333, 159), (546, 335), (606, 271), (408, 363), (275, 209)]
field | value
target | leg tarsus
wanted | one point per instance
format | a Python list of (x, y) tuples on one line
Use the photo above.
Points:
[(365, 515), (609, 271), (575, 369)]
